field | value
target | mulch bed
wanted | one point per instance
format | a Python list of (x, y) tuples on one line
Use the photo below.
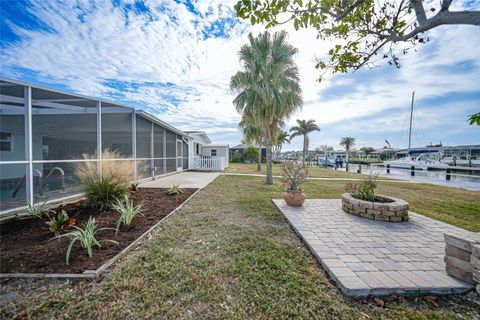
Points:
[(26, 245)]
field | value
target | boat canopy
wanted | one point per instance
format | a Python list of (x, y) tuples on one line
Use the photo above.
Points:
[(418, 151)]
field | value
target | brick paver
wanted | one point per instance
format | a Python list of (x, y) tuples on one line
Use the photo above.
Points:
[(368, 257)]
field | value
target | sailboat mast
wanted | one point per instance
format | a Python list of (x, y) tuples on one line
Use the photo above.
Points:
[(411, 119)]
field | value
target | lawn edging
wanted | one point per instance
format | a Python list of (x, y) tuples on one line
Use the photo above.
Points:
[(99, 272)]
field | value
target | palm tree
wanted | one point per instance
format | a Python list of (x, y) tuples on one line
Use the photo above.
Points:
[(303, 128), (347, 143), (282, 138), (252, 135), (268, 86)]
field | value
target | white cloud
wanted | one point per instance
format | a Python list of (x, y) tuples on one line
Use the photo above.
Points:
[(168, 55)]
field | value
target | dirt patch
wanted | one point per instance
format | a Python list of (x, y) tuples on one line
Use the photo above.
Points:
[(26, 245)]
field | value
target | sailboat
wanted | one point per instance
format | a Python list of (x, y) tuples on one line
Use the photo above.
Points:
[(422, 161)]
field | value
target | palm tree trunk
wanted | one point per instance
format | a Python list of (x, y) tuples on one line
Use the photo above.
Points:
[(259, 165), (268, 145), (304, 149), (346, 162)]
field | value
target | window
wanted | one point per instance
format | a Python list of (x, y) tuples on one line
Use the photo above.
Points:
[(213, 152), (5, 141), (197, 145)]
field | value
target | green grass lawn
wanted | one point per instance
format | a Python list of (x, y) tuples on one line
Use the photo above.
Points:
[(317, 172), (229, 254)]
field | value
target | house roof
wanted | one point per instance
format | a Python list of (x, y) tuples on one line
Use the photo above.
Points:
[(158, 121), (11, 91), (202, 134), (244, 146), (385, 150), (215, 145)]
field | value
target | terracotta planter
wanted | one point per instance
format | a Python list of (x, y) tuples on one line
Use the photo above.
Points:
[(294, 198)]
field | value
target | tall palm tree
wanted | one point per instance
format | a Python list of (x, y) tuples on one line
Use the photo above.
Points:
[(303, 128), (268, 86), (282, 138), (252, 135), (347, 143)]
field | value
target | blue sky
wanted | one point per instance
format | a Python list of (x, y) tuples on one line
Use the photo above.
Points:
[(175, 59)]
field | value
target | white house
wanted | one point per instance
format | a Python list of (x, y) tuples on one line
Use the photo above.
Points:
[(205, 156), (45, 133)]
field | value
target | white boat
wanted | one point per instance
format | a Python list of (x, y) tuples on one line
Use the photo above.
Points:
[(330, 161), (423, 161)]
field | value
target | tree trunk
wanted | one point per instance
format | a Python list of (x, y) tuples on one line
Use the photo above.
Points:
[(268, 145), (259, 165), (304, 150), (346, 162)]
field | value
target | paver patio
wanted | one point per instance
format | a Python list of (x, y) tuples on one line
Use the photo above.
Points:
[(367, 257)]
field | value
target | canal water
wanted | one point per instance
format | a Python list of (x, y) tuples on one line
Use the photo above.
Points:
[(459, 179)]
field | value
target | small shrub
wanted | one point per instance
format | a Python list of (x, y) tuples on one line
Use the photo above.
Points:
[(37, 211), (364, 190), (103, 188), (60, 222), (175, 189), (86, 237), (127, 211), (250, 153), (294, 174), (238, 158)]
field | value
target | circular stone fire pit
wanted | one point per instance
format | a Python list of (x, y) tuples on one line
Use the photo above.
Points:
[(385, 209)]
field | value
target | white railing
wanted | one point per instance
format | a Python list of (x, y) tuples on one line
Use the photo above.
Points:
[(203, 163)]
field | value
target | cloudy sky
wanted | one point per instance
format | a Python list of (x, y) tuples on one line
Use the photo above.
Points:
[(175, 58)]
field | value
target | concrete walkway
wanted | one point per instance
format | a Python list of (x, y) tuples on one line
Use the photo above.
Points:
[(187, 179), (374, 258)]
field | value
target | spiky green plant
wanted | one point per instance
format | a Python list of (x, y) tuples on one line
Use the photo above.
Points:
[(175, 189), (365, 190), (127, 210), (37, 211), (85, 236)]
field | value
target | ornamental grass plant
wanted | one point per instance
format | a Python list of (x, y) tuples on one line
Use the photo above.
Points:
[(103, 186)]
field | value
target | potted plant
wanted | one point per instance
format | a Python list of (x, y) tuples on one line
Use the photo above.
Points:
[(294, 174), (361, 200)]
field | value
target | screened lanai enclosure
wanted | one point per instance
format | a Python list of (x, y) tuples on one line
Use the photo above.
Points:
[(45, 133)]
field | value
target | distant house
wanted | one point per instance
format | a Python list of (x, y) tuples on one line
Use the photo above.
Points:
[(463, 151), (238, 149), (385, 153), (204, 154)]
